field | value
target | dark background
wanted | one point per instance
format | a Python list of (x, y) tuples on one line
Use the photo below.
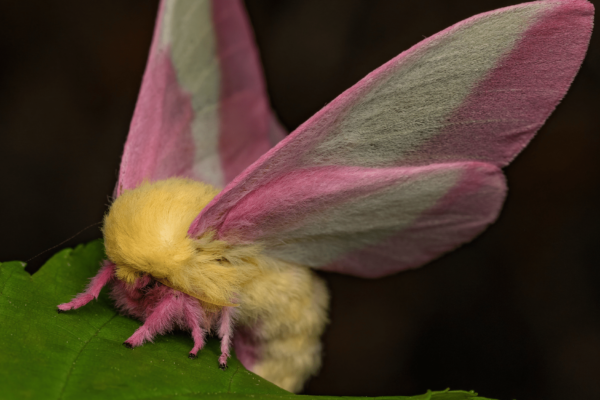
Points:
[(514, 314)]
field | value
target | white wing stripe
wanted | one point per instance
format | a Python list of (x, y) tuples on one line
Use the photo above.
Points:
[(363, 221), (416, 95), (189, 34)]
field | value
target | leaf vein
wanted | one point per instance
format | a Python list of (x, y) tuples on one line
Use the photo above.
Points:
[(62, 392), (231, 380), (6, 282)]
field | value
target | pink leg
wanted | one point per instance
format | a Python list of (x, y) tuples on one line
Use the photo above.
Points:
[(159, 321), (92, 291), (225, 333), (193, 314)]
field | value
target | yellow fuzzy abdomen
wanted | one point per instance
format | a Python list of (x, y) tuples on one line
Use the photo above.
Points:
[(287, 308)]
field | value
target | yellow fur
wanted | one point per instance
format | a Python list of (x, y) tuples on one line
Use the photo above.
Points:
[(145, 232), (287, 307)]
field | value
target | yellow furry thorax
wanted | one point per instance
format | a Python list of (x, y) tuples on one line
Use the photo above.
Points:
[(145, 232)]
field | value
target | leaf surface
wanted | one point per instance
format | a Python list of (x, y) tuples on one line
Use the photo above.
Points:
[(79, 354)]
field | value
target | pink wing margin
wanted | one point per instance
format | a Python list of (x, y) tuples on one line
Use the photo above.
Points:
[(203, 110), (405, 165)]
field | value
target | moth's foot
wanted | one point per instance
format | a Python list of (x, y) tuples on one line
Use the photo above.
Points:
[(128, 345), (223, 361), (198, 345), (192, 356), (141, 335), (79, 301), (61, 308)]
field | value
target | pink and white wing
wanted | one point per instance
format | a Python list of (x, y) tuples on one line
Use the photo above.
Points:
[(203, 110), (405, 165), (368, 222)]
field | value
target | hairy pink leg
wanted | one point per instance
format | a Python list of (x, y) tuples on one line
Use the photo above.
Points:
[(92, 291), (225, 333), (193, 314), (158, 321)]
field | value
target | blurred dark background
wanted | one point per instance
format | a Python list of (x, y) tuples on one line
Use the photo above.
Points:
[(514, 314)]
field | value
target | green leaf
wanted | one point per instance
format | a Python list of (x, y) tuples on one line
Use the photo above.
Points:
[(79, 354)]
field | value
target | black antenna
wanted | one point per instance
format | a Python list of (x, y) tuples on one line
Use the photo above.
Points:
[(64, 241)]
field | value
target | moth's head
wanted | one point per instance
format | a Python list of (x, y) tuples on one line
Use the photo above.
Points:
[(145, 233), (145, 230)]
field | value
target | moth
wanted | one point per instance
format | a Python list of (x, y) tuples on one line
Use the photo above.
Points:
[(219, 218)]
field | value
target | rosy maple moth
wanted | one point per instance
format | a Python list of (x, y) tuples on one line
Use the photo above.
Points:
[(218, 217)]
